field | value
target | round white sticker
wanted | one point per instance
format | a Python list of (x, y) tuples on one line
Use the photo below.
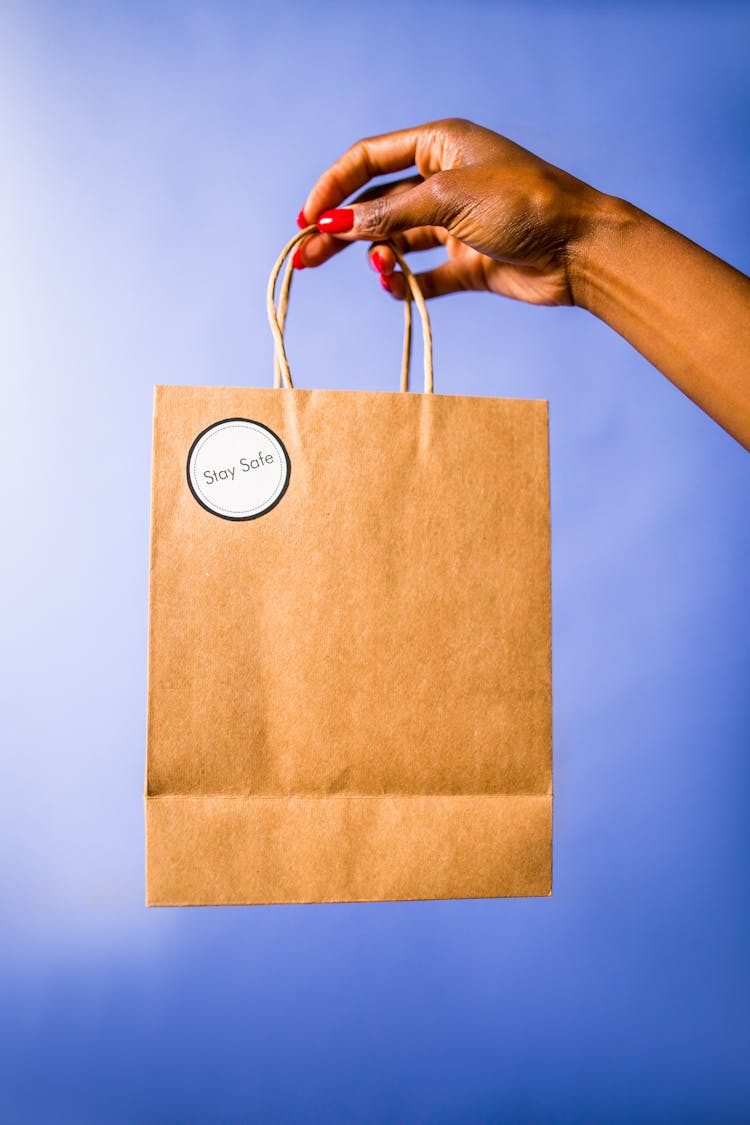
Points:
[(238, 469)]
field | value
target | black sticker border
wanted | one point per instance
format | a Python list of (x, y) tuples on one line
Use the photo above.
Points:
[(257, 515)]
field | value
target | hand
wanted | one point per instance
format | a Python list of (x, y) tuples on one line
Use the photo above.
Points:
[(510, 222), (515, 225)]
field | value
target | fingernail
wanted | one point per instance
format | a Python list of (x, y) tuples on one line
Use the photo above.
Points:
[(376, 261), (386, 283), (301, 220), (297, 259), (338, 221)]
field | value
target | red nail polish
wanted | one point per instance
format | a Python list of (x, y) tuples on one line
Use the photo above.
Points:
[(376, 260), (386, 283), (338, 221), (297, 259), (301, 220)]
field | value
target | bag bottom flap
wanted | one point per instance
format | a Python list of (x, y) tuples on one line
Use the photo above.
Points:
[(234, 850)]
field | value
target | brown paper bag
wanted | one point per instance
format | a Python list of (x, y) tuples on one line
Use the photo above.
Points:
[(349, 689)]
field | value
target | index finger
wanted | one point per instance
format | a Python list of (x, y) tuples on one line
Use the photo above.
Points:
[(373, 156)]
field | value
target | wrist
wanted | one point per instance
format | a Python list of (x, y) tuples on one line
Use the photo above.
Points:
[(607, 222)]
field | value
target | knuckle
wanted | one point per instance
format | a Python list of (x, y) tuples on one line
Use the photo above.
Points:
[(426, 283), (373, 218), (454, 124), (333, 180), (449, 198), (359, 155)]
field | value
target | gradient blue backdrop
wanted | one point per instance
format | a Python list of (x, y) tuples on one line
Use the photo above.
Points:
[(154, 157)]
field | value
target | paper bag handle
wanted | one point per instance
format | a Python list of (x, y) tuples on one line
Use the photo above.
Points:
[(277, 317)]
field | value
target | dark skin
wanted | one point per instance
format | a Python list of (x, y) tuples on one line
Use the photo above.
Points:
[(515, 225)]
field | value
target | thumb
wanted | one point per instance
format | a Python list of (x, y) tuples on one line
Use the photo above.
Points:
[(388, 214)]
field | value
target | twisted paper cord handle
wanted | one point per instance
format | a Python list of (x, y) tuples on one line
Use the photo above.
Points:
[(277, 317)]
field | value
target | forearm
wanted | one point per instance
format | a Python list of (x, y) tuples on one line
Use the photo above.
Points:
[(685, 310)]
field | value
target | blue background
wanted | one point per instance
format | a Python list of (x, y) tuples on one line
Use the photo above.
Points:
[(154, 159)]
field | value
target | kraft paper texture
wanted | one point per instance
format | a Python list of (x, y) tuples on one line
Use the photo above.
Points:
[(349, 697)]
